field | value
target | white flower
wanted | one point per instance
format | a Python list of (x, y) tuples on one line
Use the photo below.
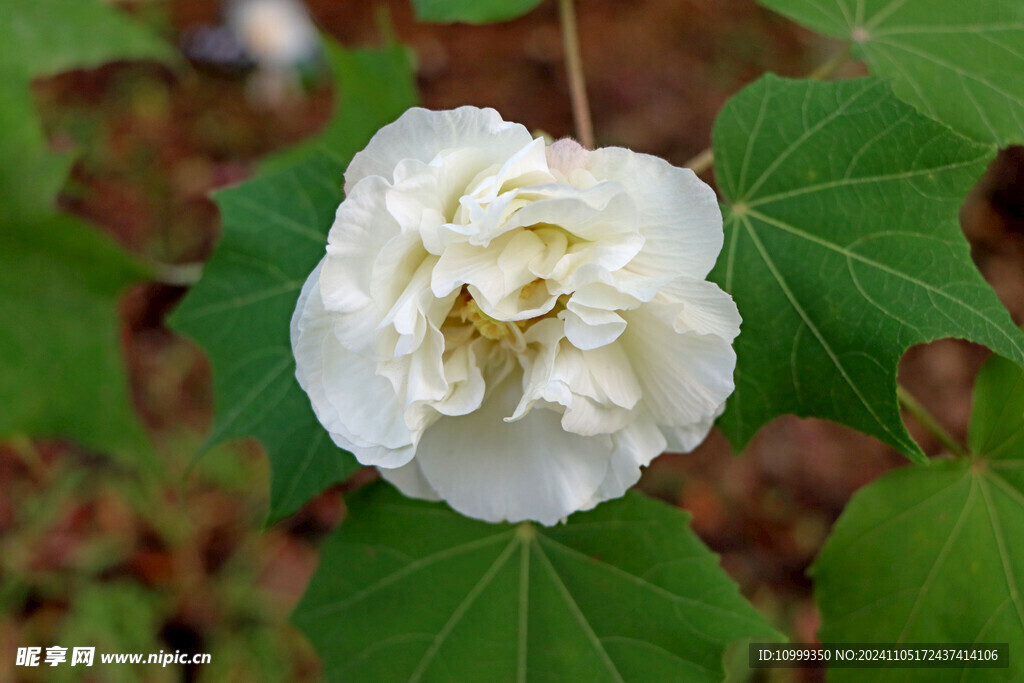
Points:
[(511, 327), (277, 34)]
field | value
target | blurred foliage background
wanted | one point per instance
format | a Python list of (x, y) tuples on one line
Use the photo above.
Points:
[(175, 557)]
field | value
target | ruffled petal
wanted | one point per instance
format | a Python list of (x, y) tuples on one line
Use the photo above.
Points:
[(362, 229), (679, 214), (606, 297), (706, 309), (590, 328), (528, 166), (597, 262), (421, 134), (465, 381), (527, 470), (597, 388), (496, 274), (410, 481), (686, 376), (359, 408), (635, 446), (588, 214), (684, 439)]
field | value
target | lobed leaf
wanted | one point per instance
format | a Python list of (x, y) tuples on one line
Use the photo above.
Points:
[(42, 38), (959, 62), (30, 175), (408, 590), (471, 11), (842, 249), (45, 37), (932, 553), (274, 233), (61, 371)]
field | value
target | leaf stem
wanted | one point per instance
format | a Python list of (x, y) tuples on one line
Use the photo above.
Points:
[(928, 421), (706, 159), (701, 162), (177, 275), (28, 453), (831, 66), (574, 68)]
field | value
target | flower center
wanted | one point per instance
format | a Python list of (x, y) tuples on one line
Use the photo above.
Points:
[(466, 315)]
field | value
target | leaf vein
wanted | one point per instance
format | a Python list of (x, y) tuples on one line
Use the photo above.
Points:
[(820, 337), (461, 610), (845, 182), (243, 404), (524, 612), (290, 224), (574, 607), (997, 530), (967, 74), (886, 269), (807, 134), (412, 567), (939, 559)]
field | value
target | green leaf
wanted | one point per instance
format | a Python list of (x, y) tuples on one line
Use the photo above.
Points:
[(61, 371), (842, 249), (959, 62), (410, 591), (997, 417), (471, 11), (45, 37), (933, 553), (30, 175), (117, 615), (274, 233), (42, 38)]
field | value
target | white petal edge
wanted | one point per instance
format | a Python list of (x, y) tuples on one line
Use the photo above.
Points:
[(706, 308), (526, 470), (320, 360), (685, 377), (635, 446), (421, 134), (679, 213), (410, 481)]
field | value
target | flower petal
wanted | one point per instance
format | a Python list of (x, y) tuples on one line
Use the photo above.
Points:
[(496, 273), (635, 446), (422, 134), (567, 155), (410, 481), (528, 166), (589, 328), (358, 407), (362, 228), (685, 377), (526, 470), (679, 214), (590, 214), (685, 438), (706, 309), (597, 388)]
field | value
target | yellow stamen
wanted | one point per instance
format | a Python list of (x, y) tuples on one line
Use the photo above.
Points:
[(466, 310)]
